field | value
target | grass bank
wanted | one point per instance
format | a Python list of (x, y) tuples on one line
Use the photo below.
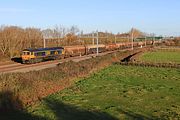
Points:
[(117, 92), (161, 56)]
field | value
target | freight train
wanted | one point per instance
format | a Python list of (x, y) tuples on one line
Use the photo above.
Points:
[(31, 55)]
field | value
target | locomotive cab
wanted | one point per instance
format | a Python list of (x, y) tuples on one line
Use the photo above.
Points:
[(27, 55)]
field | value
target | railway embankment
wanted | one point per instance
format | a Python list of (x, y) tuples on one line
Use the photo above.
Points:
[(31, 87)]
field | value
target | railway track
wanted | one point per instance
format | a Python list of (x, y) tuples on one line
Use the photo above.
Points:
[(18, 67)]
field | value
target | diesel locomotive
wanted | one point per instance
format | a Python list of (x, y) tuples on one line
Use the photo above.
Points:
[(31, 55)]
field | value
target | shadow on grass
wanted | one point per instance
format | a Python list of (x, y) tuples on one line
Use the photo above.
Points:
[(11, 108), (135, 116), (64, 111), (17, 59), (19, 115)]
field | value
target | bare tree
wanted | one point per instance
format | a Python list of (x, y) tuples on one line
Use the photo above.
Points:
[(136, 33), (55, 36), (34, 37), (11, 37), (14, 39), (3, 41), (71, 36)]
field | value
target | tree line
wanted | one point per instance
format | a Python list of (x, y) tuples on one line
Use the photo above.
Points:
[(14, 39)]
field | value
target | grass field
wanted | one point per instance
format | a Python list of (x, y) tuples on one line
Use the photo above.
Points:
[(161, 56), (117, 92)]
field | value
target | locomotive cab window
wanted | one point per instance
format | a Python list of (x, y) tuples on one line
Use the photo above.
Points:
[(26, 53)]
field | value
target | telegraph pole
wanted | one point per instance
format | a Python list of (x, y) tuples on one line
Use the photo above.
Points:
[(97, 43)]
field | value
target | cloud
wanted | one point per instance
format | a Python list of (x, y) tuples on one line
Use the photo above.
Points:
[(15, 10)]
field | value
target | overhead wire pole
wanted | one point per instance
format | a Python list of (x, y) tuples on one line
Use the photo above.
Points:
[(154, 37), (44, 42), (97, 43), (93, 38), (80, 38), (107, 35), (145, 41), (115, 39), (132, 37)]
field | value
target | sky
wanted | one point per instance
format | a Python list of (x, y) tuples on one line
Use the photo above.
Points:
[(161, 17)]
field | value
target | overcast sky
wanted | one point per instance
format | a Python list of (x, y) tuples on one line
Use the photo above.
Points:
[(153, 16)]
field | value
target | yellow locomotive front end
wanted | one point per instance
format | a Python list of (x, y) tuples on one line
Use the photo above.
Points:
[(27, 56)]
